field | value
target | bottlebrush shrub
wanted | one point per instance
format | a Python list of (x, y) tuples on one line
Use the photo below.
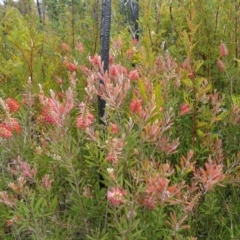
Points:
[(51, 186)]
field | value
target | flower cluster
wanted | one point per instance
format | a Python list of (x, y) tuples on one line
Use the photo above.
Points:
[(9, 125), (85, 119), (223, 51), (19, 167), (115, 147), (210, 176), (116, 196), (54, 112)]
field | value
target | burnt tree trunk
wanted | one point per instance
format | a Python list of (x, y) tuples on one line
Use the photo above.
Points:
[(135, 15), (105, 41)]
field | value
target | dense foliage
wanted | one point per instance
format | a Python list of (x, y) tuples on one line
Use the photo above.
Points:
[(165, 162)]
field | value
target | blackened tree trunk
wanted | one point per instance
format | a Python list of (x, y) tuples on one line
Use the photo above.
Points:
[(135, 15), (105, 40), (39, 12)]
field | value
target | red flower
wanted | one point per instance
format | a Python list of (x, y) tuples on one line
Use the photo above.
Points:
[(136, 106), (116, 196), (71, 67), (13, 105), (4, 131), (133, 75), (221, 65), (114, 71), (223, 50), (84, 120), (114, 128), (13, 125), (185, 109), (50, 116), (95, 60)]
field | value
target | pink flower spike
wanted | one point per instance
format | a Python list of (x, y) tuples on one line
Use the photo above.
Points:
[(85, 120), (133, 75), (13, 125), (220, 65), (95, 60), (114, 128), (223, 50), (5, 132), (185, 109), (136, 106), (72, 67), (13, 105), (116, 196)]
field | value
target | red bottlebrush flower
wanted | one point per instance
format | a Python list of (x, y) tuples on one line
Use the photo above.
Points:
[(85, 120), (223, 50), (113, 71), (13, 105), (116, 196), (150, 203), (65, 47), (50, 116), (5, 132), (114, 128), (136, 106), (112, 157), (13, 125), (72, 67), (221, 65), (185, 109), (95, 60), (133, 75)]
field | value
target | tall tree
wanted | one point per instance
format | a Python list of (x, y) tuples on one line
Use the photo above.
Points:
[(105, 41)]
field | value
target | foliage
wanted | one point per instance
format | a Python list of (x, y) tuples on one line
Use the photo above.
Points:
[(165, 163)]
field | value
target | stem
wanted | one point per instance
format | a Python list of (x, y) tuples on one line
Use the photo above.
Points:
[(194, 115)]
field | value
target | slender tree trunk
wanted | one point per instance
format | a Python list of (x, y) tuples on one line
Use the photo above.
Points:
[(39, 12), (135, 15), (105, 40)]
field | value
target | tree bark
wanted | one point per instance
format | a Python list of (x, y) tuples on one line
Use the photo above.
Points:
[(135, 15), (105, 40)]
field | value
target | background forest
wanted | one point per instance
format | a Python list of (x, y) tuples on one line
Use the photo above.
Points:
[(163, 160)]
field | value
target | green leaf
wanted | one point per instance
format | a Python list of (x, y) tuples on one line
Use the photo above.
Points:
[(142, 89), (187, 82)]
